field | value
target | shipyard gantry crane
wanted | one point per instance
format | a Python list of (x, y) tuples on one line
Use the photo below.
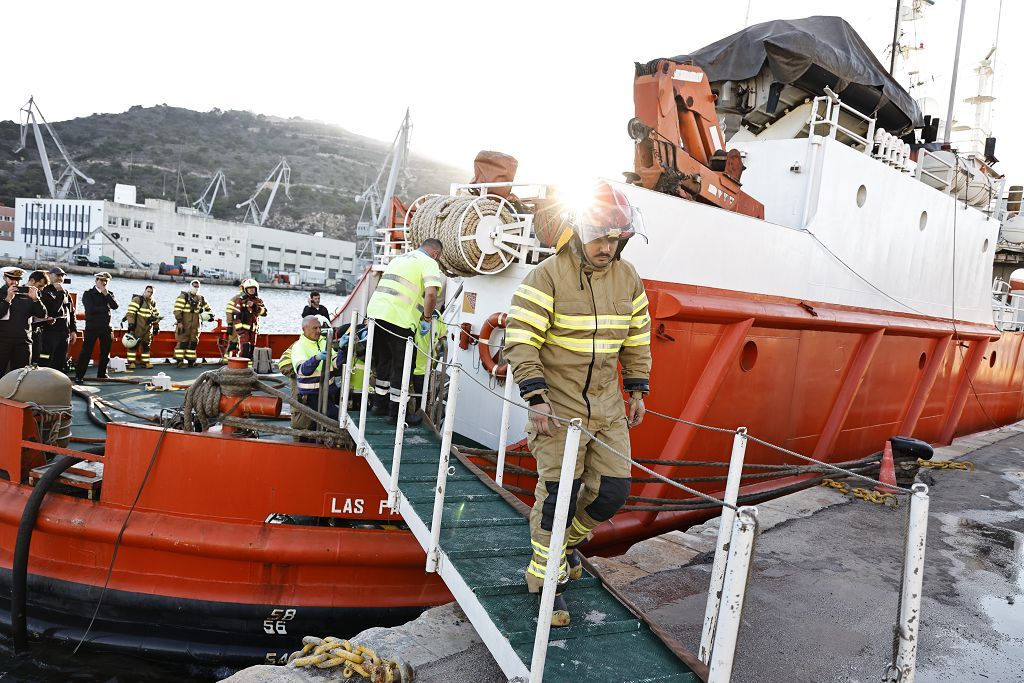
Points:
[(218, 185), (380, 196), (67, 182), (282, 173)]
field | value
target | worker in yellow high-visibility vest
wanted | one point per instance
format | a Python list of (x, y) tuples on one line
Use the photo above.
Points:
[(403, 303)]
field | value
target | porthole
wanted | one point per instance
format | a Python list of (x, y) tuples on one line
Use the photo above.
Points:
[(748, 357), (984, 246), (862, 195), (921, 361), (923, 221), (992, 359)]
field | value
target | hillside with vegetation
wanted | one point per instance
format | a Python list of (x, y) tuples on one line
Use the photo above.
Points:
[(172, 153)]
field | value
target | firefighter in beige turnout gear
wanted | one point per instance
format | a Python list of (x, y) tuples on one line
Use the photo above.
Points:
[(573, 320), (190, 311)]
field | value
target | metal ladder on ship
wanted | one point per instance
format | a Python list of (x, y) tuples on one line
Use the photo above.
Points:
[(478, 543)]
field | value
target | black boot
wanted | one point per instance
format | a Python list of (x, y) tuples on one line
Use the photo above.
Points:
[(379, 405), (559, 611)]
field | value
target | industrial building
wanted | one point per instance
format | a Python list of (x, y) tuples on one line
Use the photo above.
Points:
[(159, 232), (6, 224)]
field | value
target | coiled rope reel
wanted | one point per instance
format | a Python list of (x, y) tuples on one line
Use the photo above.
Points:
[(481, 235)]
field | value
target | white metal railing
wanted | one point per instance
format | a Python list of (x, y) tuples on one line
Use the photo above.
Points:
[(830, 120), (1007, 308), (947, 182), (734, 547)]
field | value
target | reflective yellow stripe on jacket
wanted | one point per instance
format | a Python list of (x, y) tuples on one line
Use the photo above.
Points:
[(398, 298)]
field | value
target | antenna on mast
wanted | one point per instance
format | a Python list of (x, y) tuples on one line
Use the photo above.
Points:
[(67, 182)]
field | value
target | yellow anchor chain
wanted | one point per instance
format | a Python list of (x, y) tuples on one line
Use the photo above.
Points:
[(328, 652), (947, 464), (876, 497)]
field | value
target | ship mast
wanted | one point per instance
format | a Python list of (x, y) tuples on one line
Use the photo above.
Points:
[(956, 66)]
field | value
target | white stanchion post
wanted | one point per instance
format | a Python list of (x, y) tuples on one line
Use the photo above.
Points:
[(551, 570), (364, 401), (730, 615), (499, 474), (904, 669), (430, 368), (433, 554), (346, 376), (325, 375), (732, 490), (403, 404)]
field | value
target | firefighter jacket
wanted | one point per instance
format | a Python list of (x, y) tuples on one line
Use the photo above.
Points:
[(142, 317), (187, 310), (244, 312), (570, 326), (398, 298), (60, 307)]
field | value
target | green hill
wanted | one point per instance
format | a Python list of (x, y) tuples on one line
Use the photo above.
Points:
[(147, 146)]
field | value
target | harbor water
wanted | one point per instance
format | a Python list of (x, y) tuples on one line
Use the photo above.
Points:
[(284, 306)]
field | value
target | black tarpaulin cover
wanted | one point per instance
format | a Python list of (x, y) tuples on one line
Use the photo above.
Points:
[(812, 53)]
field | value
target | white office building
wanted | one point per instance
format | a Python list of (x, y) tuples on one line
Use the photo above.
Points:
[(158, 232)]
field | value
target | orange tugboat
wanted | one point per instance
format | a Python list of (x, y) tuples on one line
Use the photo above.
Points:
[(802, 283)]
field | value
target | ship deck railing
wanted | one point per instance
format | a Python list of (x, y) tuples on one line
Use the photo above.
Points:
[(478, 543)]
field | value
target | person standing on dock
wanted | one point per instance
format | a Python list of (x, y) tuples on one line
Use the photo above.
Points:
[(143, 320), (244, 312), (574, 319), (314, 307), (403, 302), (190, 312), (59, 334), (18, 305), (98, 302)]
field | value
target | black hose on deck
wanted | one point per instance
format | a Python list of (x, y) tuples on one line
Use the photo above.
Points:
[(89, 406), (19, 566)]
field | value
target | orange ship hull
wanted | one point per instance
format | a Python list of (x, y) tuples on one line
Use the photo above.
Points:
[(823, 380)]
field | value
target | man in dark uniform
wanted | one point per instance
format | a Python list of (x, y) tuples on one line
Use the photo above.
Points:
[(18, 305), (62, 330), (37, 279), (98, 303)]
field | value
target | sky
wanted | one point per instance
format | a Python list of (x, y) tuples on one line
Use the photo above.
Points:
[(548, 82)]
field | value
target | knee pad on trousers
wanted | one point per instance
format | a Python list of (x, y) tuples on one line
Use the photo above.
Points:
[(611, 495), (547, 518)]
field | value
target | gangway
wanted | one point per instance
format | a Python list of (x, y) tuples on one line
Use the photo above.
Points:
[(478, 543)]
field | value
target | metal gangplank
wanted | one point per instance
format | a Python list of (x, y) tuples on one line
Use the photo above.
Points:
[(479, 544)]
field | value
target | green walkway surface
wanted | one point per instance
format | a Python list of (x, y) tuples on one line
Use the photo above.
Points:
[(485, 545)]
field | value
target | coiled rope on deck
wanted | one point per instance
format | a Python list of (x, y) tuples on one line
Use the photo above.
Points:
[(450, 219), (201, 407)]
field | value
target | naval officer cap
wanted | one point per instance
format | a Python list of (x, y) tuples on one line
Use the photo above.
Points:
[(13, 272), (103, 275)]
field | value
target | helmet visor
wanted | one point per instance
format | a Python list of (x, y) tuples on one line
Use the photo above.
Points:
[(617, 223)]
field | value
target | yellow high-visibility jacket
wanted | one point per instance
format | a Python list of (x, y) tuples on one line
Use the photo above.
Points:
[(398, 298), (569, 327)]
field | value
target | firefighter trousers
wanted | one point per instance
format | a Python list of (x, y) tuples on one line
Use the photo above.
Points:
[(600, 487)]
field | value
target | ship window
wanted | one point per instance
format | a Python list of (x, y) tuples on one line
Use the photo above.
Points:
[(921, 361), (748, 357), (984, 246), (862, 195), (992, 360), (924, 220)]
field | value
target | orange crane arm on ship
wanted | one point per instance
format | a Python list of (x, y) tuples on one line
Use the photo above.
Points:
[(680, 148)]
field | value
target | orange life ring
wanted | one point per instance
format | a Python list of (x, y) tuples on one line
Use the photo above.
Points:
[(496, 321)]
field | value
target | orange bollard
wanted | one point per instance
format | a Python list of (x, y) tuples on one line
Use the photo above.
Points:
[(887, 471)]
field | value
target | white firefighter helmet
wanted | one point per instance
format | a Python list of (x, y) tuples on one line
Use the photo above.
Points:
[(129, 340), (249, 282), (206, 316)]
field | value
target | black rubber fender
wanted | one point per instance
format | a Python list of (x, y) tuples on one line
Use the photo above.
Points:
[(23, 542)]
